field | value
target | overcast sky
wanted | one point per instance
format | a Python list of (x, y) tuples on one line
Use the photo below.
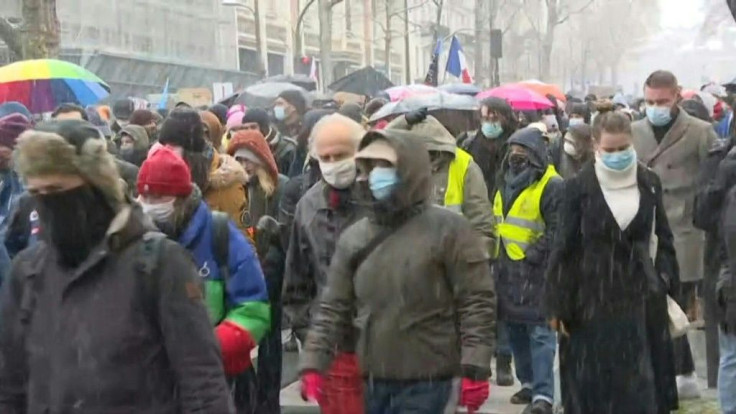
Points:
[(678, 14)]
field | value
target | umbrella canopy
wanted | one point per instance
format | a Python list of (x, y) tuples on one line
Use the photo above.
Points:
[(366, 81), (262, 95), (398, 93), (520, 99), (433, 102), (303, 81), (43, 84), (460, 89), (545, 89)]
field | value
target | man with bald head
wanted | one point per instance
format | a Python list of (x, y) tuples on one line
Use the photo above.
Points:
[(323, 213)]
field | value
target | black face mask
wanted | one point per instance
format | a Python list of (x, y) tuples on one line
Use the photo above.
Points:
[(74, 222), (518, 163)]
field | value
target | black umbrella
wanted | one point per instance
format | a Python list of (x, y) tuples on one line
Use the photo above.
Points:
[(366, 82), (302, 81)]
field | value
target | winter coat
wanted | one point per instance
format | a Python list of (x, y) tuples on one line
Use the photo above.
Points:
[(293, 191), (489, 154), (242, 299), (314, 234), (476, 206), (611, 298), (283, 149), (520, 283), (11, 189), (129, 173), (226, 190), (104, 338), (140, 145), (726, 285), (422, 313), (18, 234), (676, 160)]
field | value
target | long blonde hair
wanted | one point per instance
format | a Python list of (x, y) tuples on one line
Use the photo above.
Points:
[(266, 181)]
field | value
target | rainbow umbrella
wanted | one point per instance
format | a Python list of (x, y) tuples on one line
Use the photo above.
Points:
[(42, 84)]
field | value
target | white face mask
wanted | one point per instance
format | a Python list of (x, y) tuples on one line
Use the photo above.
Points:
[(340, 174), (570, 149), (160, 212)]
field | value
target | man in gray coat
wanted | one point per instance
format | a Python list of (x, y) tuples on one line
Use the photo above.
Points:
[(414, 278), (674, 144), (93, 319), (325, 211)]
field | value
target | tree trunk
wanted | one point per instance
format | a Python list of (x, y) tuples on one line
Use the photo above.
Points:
[(480, 17), (298, 29), (545, 64), (387, 39), (407, 48), (40, 33), (438, 20), (261, 64), (12, 38), (325, 41)]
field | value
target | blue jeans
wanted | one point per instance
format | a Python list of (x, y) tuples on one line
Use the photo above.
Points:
[(533, 346), (503, 347), (727, 373), (407, 397)]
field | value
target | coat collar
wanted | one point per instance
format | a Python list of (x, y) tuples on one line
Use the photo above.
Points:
[(673, 136), (196, 225)]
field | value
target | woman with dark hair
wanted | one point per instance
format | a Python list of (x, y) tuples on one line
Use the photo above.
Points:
[(570, 154), (488, 144), (579, 114), (608, 280)]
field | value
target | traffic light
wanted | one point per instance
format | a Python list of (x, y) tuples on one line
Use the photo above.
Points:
[(303, 65)]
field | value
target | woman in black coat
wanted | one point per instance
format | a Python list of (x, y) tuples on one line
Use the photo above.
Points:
[(607, 283)]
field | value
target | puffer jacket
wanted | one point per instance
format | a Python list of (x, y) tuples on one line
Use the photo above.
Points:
[(423, 299), (107, 338), (226, 191), (243, 299), (520, 284), (476, 206)]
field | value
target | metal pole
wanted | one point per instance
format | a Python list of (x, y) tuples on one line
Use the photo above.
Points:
[(407, 48)]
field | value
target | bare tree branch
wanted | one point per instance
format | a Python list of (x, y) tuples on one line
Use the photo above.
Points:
[(578, 11), (334, 3), (12, 37), (512, 20)]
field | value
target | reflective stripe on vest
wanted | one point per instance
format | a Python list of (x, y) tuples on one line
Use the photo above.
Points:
[(456, 180), (523, 225)]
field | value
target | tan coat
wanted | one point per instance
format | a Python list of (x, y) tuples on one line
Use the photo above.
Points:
[(676, 160)]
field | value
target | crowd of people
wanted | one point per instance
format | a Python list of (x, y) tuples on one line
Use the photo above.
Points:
[(149, 254)]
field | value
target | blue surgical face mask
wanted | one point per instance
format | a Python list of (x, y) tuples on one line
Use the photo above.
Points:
[(576, 121), (279, 113), (382, 181), (619, 160), (659, 115), (491, 129)]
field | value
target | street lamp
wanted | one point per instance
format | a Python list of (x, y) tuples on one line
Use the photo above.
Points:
[(260, 49)]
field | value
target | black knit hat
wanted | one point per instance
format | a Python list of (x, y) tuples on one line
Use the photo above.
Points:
[(296, 99), (258, 116), (183, 128), (220, 111)]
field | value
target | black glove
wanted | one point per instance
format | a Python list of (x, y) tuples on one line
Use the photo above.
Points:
[(415, 117)]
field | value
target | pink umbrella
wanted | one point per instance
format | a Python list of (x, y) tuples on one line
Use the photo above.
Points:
[(519, 98), (398, 93)]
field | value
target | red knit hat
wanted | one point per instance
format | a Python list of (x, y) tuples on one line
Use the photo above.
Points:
[(254, 141), (164, 173)]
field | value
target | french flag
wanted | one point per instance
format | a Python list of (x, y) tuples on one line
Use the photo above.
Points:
[(457, 65)]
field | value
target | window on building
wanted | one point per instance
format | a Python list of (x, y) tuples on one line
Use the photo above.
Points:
[(248, 60), (275, 64)]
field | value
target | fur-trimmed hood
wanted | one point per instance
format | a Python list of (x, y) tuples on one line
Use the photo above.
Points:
[(41, 153), (225, 172)]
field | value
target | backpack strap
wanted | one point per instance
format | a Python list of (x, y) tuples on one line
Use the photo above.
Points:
[(221, 242)]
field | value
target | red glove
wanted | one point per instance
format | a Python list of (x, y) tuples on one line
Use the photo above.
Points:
[(312, 386), (236, 344), (473, 393)]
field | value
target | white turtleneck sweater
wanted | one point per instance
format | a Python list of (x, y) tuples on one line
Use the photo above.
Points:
[(620, 190)]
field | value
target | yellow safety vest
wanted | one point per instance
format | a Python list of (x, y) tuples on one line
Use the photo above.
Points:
[(456, 181), (523, 225)]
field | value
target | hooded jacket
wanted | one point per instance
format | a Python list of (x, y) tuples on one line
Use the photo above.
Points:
[(476, 206), (226, 191), (422, 313), (101, 339), (520, 284), (140, 144)]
